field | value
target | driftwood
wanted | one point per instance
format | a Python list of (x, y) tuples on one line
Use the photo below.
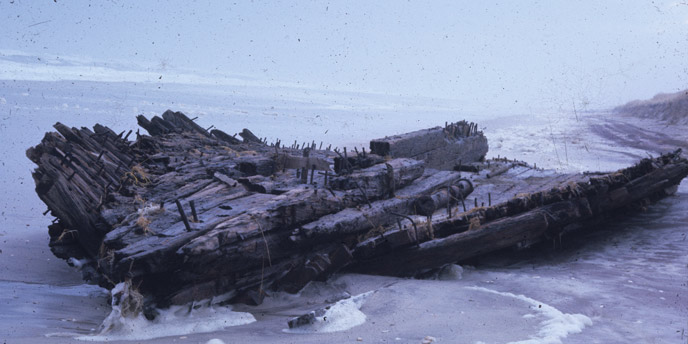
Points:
[(185, 214)]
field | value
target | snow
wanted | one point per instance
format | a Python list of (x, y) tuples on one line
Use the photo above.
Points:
[(341, 316), (556, 326), (215, 341), (173, 321)]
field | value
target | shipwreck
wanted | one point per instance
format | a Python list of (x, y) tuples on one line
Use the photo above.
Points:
[(185, 213)]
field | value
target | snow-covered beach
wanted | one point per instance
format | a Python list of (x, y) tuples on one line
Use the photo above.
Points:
[(541, 79), (623, 282)]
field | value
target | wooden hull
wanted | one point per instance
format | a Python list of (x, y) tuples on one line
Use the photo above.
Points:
[(186, 214)]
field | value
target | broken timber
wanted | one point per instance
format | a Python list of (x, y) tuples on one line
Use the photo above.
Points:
[(461, 140), (186, 214)]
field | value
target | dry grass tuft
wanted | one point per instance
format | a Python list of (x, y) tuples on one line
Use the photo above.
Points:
[(73, 233), (231, 152), (143, 223), (146, 209), (138, 175), (130, 300), (474, 223), (248, 152)]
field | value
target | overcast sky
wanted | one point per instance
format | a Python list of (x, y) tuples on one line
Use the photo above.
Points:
[(540, 54)]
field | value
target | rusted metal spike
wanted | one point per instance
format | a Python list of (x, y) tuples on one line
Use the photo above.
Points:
[(193, 211), (183, 215), (365, 197), (415, 228)]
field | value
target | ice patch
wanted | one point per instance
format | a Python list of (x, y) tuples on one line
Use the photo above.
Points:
[(176, 321), (150, 209), (341, 316), (3, 100), (215, 341), (121, 324), (450, 272), (77, 263), (557, 326)]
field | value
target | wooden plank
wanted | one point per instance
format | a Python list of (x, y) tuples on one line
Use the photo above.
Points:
[(381, 213)]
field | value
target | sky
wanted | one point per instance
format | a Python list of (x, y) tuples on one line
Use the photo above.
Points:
[(507, 55)]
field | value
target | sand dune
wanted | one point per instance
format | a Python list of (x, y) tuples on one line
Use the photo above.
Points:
[(670, 107)]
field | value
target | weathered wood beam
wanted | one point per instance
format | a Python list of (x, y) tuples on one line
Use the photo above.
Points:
[(359, 220), (249, 137), (225, 137), (376, 181), (440, 148)]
